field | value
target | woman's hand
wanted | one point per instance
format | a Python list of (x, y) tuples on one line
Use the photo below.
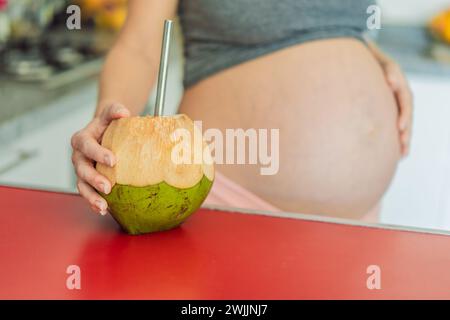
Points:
[(87, 150), (399, 86)]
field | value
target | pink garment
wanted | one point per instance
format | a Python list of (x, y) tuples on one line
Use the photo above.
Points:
[(227, 193)]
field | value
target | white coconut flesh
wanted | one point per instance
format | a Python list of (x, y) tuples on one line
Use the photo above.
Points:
[(144, 146)]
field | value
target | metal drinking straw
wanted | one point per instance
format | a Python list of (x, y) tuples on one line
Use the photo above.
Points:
[(163, 64)]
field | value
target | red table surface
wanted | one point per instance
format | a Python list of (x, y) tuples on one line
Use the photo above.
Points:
[(214, 255)]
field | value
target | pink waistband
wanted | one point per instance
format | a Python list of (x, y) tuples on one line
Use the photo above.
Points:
[(225, 192), (228, 193)]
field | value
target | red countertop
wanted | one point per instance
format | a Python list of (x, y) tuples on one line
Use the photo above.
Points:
[(214, 255)]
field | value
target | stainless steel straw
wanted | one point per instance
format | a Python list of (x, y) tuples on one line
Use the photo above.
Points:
[(163, 64)]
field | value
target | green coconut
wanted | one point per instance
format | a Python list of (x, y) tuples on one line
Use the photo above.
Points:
[(158, 180)]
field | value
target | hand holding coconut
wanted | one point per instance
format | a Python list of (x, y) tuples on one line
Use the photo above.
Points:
[(87, 150)]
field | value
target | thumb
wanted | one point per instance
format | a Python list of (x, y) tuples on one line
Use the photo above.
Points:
[(113, 111)]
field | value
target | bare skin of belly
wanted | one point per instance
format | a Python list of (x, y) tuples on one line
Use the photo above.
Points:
[(339, 143)]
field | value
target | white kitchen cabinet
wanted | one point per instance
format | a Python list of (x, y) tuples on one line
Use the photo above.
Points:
[(420, 193), (41, 158)]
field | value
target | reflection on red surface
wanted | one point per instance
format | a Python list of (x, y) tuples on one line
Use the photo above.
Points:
[(214, 255)]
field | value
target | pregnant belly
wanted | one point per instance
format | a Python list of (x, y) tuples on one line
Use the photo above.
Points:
[(338, 142)]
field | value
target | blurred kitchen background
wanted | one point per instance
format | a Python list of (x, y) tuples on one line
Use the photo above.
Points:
[(48, 91)]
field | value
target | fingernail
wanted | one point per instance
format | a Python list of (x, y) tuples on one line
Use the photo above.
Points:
[(100, 205), (104, 188), (103, 212), (124, 111), (109, 161), (120, 109)]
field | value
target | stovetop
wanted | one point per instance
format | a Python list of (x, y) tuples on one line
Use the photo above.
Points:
[(57, 58)]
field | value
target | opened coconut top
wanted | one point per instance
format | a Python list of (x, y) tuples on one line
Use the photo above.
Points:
[(150, 150)]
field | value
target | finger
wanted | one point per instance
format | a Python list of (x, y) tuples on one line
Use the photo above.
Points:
[(405, 151), (99, 124), (91, 149), (95, 200), (95, 209), (405, 106), (113, 111), (405, 139), (403, 95), (393, 76), (86, 172)]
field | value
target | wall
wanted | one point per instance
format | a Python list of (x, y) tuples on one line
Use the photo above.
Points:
[(410, 11)]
